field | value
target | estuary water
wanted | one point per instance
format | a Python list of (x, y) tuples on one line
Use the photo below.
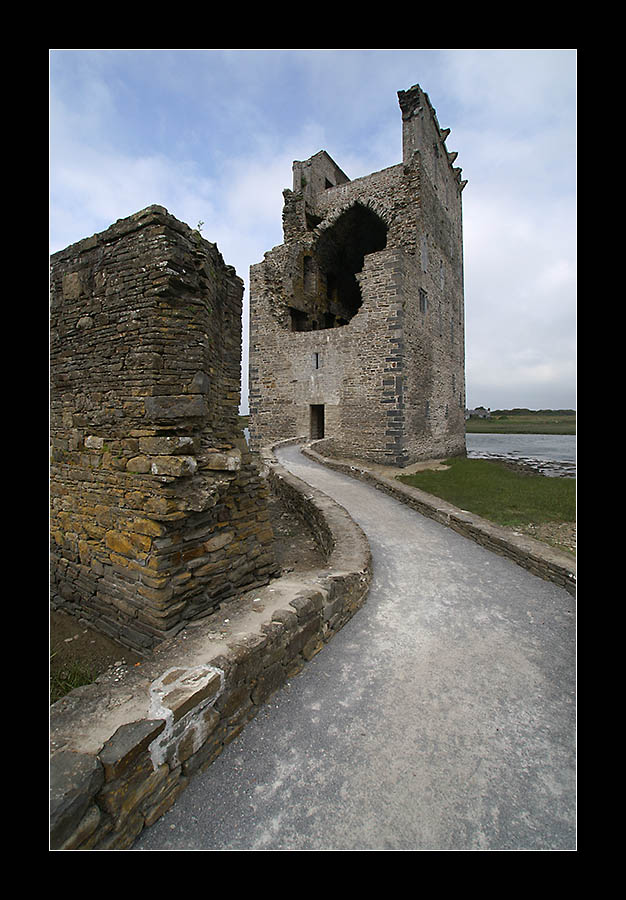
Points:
[(550, 454)]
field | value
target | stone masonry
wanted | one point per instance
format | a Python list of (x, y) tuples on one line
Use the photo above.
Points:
[(357, 319), (157, 513)]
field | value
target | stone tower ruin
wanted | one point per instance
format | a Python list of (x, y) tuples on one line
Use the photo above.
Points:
[(357, 319), (157, 513)]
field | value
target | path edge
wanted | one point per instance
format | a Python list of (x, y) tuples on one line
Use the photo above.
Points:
[(542, 560)]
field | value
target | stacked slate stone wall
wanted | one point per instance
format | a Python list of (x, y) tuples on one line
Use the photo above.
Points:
[(123, 750), (157, 512)]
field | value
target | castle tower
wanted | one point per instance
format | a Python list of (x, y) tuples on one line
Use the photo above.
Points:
[(357, 319)]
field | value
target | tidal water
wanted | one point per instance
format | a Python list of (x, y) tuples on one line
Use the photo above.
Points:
[(550, 454)]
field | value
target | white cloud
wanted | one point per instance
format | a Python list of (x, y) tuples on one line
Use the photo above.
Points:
[(93, 182), (221, 131), (520, 302)]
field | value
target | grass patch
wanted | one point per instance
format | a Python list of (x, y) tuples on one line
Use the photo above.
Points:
[(71, 674), (533, 423), (499, 494)]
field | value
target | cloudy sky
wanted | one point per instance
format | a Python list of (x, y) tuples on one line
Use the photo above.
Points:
[(212, 134)]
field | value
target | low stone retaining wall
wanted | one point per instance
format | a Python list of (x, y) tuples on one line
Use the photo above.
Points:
[(121, 752), (539, 558)]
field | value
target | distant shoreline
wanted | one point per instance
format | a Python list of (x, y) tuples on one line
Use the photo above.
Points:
[(510, 422), (527, 421)]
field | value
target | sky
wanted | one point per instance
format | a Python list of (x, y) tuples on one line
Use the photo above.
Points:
[(211, 135)]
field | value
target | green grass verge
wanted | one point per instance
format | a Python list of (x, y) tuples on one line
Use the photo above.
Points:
[(521, 424), (70, 675), (498, 494)]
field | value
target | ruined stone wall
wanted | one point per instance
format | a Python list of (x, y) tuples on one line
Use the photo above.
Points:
[(156, 511), (342, 368), (358, 317), (123, 751)]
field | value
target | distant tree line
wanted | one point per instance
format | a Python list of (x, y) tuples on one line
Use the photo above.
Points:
[(519, 411)]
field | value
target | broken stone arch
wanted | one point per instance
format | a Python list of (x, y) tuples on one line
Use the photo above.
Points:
[(327, 294), (368, 204)]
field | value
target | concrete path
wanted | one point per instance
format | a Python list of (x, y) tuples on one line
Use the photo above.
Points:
[(442, 717)]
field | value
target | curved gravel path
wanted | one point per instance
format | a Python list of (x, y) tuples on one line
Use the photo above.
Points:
[(442, 717)]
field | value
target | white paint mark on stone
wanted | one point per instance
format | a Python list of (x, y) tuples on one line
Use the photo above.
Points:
[(170, 695)]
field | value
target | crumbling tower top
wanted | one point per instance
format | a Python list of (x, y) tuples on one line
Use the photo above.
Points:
[(421, 133), (317, 174)]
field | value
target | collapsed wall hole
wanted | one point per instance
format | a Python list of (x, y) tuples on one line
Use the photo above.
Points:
[(330, 295)]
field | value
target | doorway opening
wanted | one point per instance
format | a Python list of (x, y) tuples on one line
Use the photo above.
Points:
[(317, 421)]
